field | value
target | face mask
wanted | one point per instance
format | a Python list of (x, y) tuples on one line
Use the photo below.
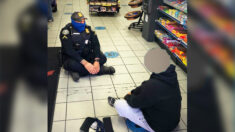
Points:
[(80, 27)]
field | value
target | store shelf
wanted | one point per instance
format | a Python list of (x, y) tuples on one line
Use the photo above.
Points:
[(173, 35), (105, 11), (173, 55), (175, 6), (95, 6), (104, 5), (173, 18)]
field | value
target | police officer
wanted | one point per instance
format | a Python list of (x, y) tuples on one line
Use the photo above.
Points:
[(81, 49)]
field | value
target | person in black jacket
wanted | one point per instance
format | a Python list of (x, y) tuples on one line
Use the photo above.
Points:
[(81, 49), (155, 105)]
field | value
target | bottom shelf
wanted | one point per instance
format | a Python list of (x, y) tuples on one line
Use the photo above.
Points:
[(105, 11), (174, 57)]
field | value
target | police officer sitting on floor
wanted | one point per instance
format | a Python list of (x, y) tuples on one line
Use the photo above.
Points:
[(81, 49)]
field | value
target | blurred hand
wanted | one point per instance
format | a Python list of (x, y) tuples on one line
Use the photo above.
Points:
[(90, 68), (97, 66)]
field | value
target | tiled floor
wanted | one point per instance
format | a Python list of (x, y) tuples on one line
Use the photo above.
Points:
[(76, 101)]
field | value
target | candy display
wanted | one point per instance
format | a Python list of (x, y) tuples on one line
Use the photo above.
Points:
[(104, 5), (175, 28), (171, 30), (178, 4), (178, 15), (173, 45)]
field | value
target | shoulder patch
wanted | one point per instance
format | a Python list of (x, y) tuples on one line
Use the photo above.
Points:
[(87, 30), (65, 32)]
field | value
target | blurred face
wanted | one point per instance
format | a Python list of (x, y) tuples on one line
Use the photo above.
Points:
[(82, 21)]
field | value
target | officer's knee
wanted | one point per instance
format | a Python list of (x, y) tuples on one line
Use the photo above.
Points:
[(72, 65), (103, 59)]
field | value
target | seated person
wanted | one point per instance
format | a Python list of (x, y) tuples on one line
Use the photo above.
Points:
[(155, 105), (81, 49)]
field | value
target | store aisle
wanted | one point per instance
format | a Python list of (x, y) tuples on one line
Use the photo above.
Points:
[(88, 97)]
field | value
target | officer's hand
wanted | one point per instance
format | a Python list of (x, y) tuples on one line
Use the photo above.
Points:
[(97, 66), (90, 68)]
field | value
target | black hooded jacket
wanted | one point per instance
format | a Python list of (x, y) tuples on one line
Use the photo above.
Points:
[(159, 99)]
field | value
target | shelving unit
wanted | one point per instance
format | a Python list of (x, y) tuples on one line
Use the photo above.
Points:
[(159, 26), (104, 6), (173, 35), (173, 18), (176, 6), (174, 56)]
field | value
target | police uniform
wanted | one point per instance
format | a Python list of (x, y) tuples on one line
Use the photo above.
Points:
[(77, 46)]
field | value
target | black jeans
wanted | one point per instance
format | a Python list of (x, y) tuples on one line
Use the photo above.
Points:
[(75, 66)]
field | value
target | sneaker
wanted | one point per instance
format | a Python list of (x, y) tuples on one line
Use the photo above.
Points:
[(106, 70), (111, 101), (75, 76)]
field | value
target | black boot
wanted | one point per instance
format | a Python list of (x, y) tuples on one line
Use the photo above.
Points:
[(54, 8), (106, 70), (75, 76)]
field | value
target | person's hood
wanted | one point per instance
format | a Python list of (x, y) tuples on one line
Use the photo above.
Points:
[(169, 76)]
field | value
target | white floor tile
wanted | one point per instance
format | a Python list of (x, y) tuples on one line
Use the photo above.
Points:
[(137, 47), (141, 59), (131, 60), (140, 53), (114, 61), (101, 80), (63, 73), (181, 126), (102, 108), (83, 82), (58, 126), (136, 68), (184, 101), (120, 43), (63, 82), (123, 48), (181, 75), (74, 125), (108, 48), (121, 79), (59, 114), (103, 93), (61, 96), (126, 53), (140, 77), (77, 110), (184, 116), (121, 69), (123, 89), (79, 94), (183, 85)]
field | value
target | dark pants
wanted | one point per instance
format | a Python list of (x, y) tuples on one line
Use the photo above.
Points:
[(75, 66)]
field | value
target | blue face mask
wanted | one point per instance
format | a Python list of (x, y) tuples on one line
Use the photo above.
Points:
[(80, 27)]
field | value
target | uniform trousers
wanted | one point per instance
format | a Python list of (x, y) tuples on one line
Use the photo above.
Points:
[(75, 66)]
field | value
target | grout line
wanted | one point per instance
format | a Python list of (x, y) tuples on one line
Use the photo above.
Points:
[(66, 104), (92, 97)]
